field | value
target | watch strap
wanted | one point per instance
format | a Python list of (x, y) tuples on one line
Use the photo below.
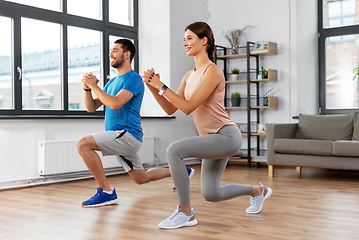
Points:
[(163, 89)]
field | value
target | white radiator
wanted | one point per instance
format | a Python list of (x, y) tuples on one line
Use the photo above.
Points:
[(58, 157)]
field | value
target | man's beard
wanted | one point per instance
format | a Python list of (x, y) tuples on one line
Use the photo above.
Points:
[(118, 62)]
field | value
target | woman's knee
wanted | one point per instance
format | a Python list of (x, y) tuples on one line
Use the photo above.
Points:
[(172, 152), (209, 192), (210, 196)]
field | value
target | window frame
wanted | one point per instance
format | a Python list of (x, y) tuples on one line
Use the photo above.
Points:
[(17, 11), (324, 33)]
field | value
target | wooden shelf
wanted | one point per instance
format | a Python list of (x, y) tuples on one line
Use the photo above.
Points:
[(272, 76), (253, 160), (271, 49), (272, 103), (254, 134), (235, 107), (239, 81)]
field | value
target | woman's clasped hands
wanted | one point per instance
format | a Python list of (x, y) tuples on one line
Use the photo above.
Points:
[(152, 79)]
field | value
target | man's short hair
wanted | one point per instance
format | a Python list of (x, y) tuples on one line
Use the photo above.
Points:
[(127, 45)]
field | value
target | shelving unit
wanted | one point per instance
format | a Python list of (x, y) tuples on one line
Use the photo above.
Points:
[(253, 101)]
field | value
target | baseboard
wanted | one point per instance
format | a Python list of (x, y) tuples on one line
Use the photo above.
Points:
[(68, 177)]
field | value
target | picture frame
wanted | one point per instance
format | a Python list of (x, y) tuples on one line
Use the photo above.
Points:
[(262, 128), (259, 45)]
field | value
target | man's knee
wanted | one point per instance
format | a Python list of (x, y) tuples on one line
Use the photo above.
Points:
[(83, 143), (140, 181), (139, 176)]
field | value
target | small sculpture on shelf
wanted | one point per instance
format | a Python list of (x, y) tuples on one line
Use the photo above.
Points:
[(262, 128), (265, 97)]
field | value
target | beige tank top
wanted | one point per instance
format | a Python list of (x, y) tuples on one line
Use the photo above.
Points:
[(211, 115)]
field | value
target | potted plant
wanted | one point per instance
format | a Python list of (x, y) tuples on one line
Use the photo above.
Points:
[(264, 73), (235, 74), (356, 73), (236, 99)]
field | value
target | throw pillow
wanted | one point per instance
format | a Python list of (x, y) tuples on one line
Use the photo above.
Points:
[(325, 127)]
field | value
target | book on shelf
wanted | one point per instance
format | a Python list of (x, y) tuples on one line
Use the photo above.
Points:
[(237, 156)]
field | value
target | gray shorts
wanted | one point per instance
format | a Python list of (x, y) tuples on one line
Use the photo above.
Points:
[(123, 145)]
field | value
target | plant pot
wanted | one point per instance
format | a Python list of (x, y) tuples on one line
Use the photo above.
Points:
[(236, 102), (234, 77)]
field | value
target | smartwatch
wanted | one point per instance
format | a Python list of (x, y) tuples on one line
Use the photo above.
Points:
[(163, 89)]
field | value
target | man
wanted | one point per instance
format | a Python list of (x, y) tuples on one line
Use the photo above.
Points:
[(122, 97)]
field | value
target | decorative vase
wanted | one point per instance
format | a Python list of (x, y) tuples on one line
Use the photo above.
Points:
[(236, 102), (234, 49), (235, 77), (265, 101)]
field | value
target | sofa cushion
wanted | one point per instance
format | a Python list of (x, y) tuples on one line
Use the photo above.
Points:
[(325, 127), (356, 127), (303, 146), (346, 148)]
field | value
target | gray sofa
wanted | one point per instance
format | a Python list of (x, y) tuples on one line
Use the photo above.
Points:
[(320, 141)]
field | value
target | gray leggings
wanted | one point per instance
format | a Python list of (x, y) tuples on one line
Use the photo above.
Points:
[(214, 149)]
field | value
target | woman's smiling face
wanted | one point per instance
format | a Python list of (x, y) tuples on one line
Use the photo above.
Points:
[(192, 43)]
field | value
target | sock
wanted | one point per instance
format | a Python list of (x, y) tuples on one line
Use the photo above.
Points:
[(262, 189), (108, 192)]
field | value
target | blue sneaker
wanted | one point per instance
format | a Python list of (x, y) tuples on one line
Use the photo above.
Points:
[(190, 172), (101, 199)]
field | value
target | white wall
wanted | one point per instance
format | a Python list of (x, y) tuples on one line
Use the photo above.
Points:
[(19, 143), (306, 29), (162, 24)]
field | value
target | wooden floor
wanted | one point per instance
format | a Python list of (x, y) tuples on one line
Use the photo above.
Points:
[(319, 204)]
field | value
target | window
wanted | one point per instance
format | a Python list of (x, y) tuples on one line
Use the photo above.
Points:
[(121, 12), (338, 13), (41, 63), (338, 55), (341, 90), (84, 55), (54, 5), (46, 47), (92, 10), (6, 57)]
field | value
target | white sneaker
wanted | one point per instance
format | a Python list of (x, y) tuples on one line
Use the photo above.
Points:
[(179, 219), (258, 200)]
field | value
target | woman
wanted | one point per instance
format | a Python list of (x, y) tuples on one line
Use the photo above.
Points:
[(202, 94)]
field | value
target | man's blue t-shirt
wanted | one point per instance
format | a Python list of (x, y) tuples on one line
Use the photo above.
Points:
[(128, 116)]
